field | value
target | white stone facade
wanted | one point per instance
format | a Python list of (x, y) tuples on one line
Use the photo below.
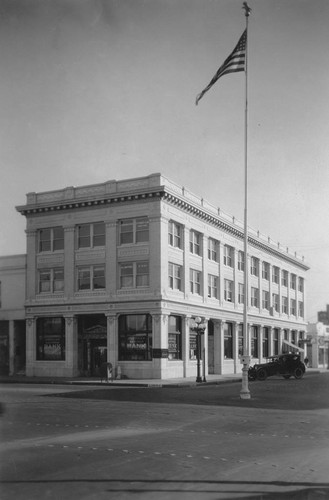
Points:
[(117, 272)]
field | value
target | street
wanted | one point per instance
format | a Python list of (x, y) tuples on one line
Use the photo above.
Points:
[(200, 442)]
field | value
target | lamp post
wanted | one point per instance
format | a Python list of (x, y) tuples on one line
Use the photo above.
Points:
[(199, 328)]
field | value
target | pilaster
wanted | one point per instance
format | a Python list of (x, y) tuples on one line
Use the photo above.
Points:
[(30, 345), (69, 261)]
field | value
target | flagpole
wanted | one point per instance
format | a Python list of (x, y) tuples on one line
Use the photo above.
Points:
[(245, 393)]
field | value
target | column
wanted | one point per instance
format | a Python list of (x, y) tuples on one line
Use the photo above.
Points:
[(204, 253), (31, 274), (260, 342), (71, 346), (221, 274), (111, 258), (280, 334), (160, 344), (30, 346), (236, 358), (158, 251), (218, 346), (112, 343), (185, 343), (270, 341), (186, 269), (205, 349)]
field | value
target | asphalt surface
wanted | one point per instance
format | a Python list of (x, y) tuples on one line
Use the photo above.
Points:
[(201, 442)]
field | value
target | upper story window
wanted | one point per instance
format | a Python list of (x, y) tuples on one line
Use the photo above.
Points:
[(195, 242), (212, 286), (91, 235), (240, 260), (134, 274), (275, 274), (254, 299), (228, 255), (51, 239), (300, 284), (285, 305), (265, 271), (293, 307), (301, 309), (265, 299), (275, 302), (51, 280), (212, 249), (293, 278), (134, 230), (195, 281), (241, 293), (254, 266), (228, 290), (284, 278), (91, 278), (175, 273), (175, 234)]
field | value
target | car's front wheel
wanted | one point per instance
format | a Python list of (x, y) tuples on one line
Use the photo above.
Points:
[(298, 373), (261, 374)]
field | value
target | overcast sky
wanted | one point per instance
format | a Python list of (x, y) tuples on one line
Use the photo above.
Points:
[(93, 90)]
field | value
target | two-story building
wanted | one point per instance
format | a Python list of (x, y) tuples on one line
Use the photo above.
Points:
[(117, 271)]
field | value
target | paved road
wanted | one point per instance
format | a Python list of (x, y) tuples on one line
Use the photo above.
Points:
[(68, 442)]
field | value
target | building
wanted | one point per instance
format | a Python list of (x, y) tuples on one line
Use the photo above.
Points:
[(118, 271), (12, 314), (318, 344), (323, 316)]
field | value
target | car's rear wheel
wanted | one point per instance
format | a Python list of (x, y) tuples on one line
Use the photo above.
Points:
[(261, 374), (286, 376), (298, 373)]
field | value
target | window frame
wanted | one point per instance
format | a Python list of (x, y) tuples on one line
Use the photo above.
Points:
[(135, 238), (175, 276), (241, 262), (54, 338), (141, 334), (52, 280), (213, 286), (195, 281), (195, 242), (228, 256), (254, 297), (52, 239), (175, 234), (266, 300), (265, 271), (228, 290), (275, 275), (91, 235), (212, 249), (254, 266), (241, 295), (89, 277), (135, 275)]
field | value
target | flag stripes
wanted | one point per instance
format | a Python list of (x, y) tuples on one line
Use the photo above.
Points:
[(235, 62)]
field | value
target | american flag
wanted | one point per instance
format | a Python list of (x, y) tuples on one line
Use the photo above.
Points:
[(235, 62)]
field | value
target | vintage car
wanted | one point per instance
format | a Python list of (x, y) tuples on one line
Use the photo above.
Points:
[(287, 365)]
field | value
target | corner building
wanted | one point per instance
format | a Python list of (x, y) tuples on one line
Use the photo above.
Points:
[(117, 271)]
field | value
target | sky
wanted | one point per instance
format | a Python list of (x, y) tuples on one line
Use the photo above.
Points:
[(93, 90)]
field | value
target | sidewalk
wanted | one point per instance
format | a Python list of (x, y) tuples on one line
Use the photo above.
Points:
[(95, 381)]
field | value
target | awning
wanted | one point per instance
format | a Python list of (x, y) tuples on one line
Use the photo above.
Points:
[(293, 345)]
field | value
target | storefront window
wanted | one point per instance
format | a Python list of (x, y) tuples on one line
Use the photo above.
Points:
[(135, 337), (265, 342), (174, 337), (50, 339), (254, 342), (228, 341), (193, 345)]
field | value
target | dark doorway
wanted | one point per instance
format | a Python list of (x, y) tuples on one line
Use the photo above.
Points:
[(92, 341)]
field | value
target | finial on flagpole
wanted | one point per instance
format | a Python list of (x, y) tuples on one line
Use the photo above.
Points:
[(246, 8)]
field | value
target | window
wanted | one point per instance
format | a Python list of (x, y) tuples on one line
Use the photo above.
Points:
[(50, 339), (133, 231), (51, 239), (275, 274), (228, 341), (134, 274), (175, 273), (241, 293), (293, 307), (293, 281), (51, 280), (285, 305), (275, 301), (254, 341), (300, 284), (266, 337), (91, 278), (228, 290), (212, 286), (175, 234), (254, 266), (228, 256), (265, 271), (195, 281), (254, 296), (240, 340), (265, 300), (195, 242), (91, 235), (275, 341), (174, 337), (300, 309), (212, 249), (284, 278), (240, 260), (135, 337)]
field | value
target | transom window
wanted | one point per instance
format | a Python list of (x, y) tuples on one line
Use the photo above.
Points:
[(228, 290), (134, 274), (91, 235), (195, 281), (51, 239), (175, 234), (228, 255), (212, 286), (195, 242), (91, 278), (212, 249), (134, 231), (51, 280)]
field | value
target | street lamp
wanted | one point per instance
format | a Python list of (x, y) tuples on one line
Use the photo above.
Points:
[(199, 328)]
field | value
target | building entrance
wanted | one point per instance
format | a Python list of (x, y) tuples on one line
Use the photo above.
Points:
[(92, 340)]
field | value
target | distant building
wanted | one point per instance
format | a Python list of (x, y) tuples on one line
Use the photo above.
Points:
[(12, 314), (118, 271), (323, 316), (318, 345)]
